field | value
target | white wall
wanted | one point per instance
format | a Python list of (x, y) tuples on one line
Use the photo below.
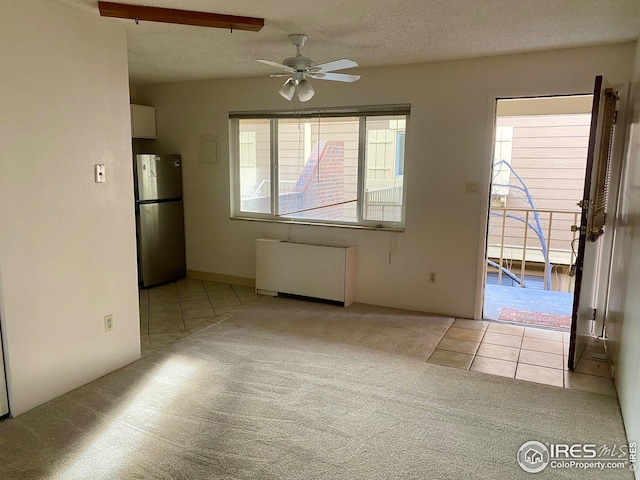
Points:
[(448, 143), (623, 318), (67, 244)]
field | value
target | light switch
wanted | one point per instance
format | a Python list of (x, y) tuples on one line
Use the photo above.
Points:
[(100, 174), (472, 188)]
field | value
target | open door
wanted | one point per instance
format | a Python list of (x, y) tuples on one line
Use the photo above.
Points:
[(593, 207), (537, 180)]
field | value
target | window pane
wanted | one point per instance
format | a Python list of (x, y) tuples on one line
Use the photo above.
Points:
[(501, 177), (384, 168), (318, 168), (254, 156)]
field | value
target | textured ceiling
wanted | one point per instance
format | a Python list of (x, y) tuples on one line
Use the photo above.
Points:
[(371, 32)]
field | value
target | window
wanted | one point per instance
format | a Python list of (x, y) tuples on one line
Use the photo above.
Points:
[(254, 145), (501, 179), (329, 167)]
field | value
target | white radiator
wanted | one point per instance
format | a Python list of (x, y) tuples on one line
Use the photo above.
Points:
[(316, 271)]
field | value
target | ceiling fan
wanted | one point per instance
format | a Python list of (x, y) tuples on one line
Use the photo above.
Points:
[(298, 68)]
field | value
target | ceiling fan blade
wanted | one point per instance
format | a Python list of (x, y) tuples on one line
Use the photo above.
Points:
[(337, 77), (277, 65), (279, 75), (335, 65)]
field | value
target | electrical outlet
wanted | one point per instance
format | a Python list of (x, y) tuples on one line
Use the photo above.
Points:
[(432, 277), (108, 323)]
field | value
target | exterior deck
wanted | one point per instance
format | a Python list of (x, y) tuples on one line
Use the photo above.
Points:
[(532, 306)]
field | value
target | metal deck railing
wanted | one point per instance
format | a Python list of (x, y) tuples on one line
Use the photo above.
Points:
[(519, 238)]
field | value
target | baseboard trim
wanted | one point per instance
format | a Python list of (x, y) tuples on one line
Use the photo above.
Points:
[(219, 277)]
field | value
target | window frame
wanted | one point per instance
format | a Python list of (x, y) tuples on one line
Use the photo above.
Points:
[(362, 113), (400, 152)]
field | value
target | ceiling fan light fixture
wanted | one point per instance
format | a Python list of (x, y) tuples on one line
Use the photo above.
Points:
[(305, 91), (288, 89), (300, 67)]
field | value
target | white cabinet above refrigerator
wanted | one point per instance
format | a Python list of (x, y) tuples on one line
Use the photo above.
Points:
[(143, 121)]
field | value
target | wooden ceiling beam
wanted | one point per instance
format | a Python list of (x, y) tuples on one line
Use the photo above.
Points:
[(181, 17)]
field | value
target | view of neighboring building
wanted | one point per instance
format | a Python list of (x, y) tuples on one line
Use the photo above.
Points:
[(317, 167)]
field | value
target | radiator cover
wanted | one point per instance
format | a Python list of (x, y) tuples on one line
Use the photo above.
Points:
[(318, 271)]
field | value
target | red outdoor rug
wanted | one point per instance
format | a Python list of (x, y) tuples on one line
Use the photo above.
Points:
[(535, 318)]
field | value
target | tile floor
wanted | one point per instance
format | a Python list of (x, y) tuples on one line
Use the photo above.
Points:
[(171, 312), (523, 352)]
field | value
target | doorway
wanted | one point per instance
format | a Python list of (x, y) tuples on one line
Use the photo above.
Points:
[(537, 181)]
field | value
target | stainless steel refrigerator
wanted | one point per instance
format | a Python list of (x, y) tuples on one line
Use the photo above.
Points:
[(160, 218)]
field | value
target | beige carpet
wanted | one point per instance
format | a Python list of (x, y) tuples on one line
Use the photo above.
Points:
[(296, 390)]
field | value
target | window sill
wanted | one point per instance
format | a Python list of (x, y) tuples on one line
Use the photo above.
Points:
[(323, 224)]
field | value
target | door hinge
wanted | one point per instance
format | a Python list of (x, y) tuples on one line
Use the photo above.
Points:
[(595, 310), (572, 270), (575, 228), (584, 204)]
